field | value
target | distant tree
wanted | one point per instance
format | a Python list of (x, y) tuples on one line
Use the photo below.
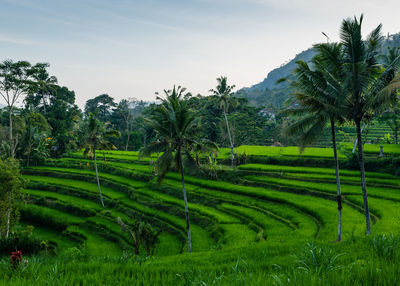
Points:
[(123, 119), (369, 85), (96, 134), (173, 122), (62, 114), (392, 115), (42, 86), (10, 193), (224, 92), (14, 82), (101, 106), (35, 139), (392, 118)]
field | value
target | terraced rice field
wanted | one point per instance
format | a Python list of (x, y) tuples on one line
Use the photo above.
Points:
[(270, 203)]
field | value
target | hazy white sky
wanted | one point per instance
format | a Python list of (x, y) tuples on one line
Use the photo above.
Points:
[(132, 48)]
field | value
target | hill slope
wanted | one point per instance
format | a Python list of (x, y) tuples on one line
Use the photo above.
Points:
[(268, 93)]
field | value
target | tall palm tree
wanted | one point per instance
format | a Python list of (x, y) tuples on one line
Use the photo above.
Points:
[(224, 92), (319, 97), (96, 135), (174, 124), (368, 84)]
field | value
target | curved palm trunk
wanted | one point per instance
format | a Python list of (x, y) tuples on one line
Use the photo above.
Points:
[(339, 194), (363, 182), (186, 204), (230, 137), (97, 178)]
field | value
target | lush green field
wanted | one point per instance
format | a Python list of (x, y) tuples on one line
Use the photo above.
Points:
[(244, 223)]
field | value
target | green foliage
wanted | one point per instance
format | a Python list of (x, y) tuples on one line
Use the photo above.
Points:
[(316, 260), (101, 106), (10, 194), (386, 246)]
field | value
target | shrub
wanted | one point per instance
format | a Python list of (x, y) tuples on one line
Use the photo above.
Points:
[(386, 246), (27, 244), (317, 260)]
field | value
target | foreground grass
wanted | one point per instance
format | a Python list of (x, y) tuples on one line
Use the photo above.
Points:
[(358, 261)]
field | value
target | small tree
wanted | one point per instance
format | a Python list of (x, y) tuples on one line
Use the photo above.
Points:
[(149, 236), (174, 124), (224, 92), (134, 232), (10, 193), (96, 139)]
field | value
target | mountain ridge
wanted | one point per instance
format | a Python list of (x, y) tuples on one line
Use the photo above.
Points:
[(272, 95)]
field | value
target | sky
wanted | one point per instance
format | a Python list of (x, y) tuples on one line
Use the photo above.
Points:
[(136, 48)]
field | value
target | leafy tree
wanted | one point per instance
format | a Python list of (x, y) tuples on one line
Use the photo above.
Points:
[(319, 100), (42, 86), (10, 193), (369, 85), (35, 139), (392, 118), (14, 82), (96, 139), (149, 236), (174, 123), (224, 92), (101, 106), (392, 115), (134, 232), (62, 114), (141, 232)]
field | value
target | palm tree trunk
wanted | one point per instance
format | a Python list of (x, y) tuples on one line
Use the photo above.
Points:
[(11, 133), (9, 216), (356, 142), (129, 133), (97, 178), (186, 204), (363, 181), (230, 137), (127, 141), (339, 194)]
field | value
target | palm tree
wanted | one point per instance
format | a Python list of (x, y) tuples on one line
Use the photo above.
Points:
[(174, 124), (224, 92), (319, 97), (96, 139), (369, 86)]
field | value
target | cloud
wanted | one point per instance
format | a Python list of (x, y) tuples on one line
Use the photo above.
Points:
[(19, 41)]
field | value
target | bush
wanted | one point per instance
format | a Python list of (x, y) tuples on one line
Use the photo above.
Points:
[(386, 246), (28, 244), (317, 260)]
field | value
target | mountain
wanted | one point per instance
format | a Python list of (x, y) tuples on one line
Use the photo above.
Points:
[(271, 95)]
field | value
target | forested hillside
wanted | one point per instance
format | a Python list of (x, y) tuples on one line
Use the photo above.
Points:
[(272, 95)]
